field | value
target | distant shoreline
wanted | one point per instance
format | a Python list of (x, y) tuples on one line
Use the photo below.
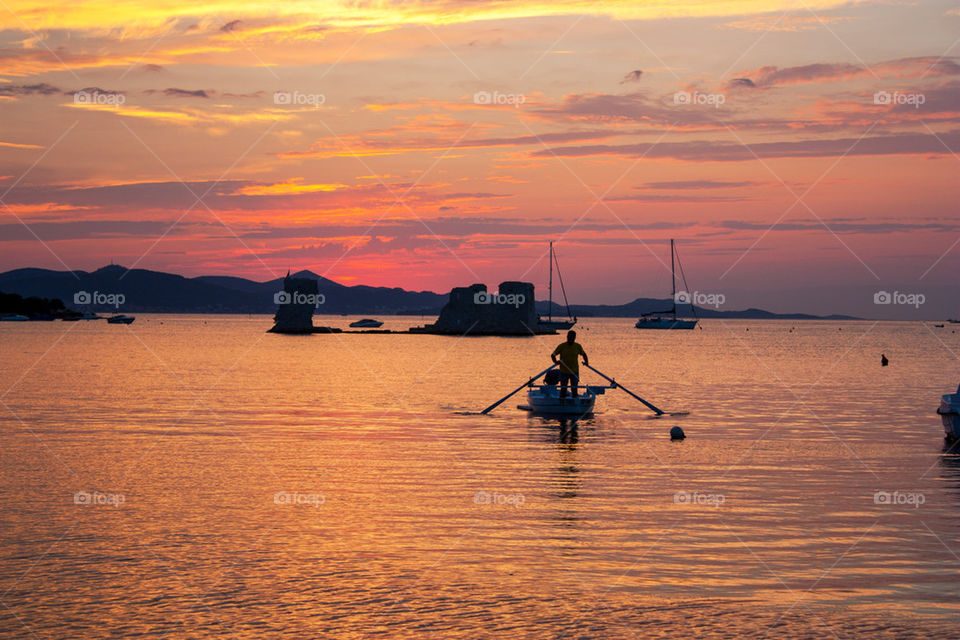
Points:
[(632, 319), (146, 291)]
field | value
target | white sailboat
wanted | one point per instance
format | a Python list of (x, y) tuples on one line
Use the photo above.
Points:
[(549, 322), (668, 319)]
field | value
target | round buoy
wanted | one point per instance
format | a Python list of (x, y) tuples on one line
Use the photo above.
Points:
[(676, 433)]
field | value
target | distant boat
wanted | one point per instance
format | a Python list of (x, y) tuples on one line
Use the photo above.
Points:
[(366, 323), (121, 319), (940, 326), (14, 318), (668, 319), (85, 316), (949, 411), (549, 322), (953, 321)]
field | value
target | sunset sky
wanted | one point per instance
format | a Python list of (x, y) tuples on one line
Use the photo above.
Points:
[(803, 154)]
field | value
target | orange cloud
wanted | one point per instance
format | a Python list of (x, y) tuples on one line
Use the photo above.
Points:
[(15, 145), (293, 186)]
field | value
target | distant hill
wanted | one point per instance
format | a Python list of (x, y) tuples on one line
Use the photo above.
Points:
[(33, 307), (148, 291), (157, 292)]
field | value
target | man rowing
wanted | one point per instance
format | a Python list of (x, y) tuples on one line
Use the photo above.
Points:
[(567, 355)]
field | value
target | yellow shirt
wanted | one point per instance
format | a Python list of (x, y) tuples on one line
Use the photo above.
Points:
[(569, 361)]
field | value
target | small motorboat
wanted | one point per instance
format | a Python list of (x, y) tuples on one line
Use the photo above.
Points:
[(121, 319), (939, 326), (661, 322), (14, 318), (949, 411), (366, 323)]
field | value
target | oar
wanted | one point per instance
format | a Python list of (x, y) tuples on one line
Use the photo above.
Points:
[(615, 383), (504, 398)]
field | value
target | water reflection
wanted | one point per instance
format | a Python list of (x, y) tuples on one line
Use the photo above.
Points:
[(569, 434), (559, 429), (950, 465), (564, 434)]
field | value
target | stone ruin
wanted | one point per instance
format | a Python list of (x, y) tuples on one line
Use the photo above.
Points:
[(475, 311)]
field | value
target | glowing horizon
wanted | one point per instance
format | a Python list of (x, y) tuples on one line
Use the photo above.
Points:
[(791, 151)]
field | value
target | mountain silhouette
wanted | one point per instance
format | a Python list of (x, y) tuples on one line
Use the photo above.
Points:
[(155, 291), (149, 291)]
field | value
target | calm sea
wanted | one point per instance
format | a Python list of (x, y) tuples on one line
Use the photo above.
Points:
[(194, 476)]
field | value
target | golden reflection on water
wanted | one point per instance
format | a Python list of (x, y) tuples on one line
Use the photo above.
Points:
[(331, 485)]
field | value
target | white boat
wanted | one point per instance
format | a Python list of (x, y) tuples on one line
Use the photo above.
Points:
[(668, 319), (545, 399), (15, 318), (121, 319), (366, 323), (549, 322), (949, 411)]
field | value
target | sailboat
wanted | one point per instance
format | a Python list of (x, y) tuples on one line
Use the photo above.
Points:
[(668, 319), (549, 322)]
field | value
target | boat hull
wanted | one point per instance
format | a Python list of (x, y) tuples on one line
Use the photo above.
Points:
[(366, 324), (949, 411), (546, 400), (665, 323), (556, 325)]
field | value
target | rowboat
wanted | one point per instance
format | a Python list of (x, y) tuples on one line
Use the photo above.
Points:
[(545, 399), (949, 411)]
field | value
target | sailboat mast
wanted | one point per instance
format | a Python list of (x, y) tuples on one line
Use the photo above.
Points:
[(673, 280), (550, 311)]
